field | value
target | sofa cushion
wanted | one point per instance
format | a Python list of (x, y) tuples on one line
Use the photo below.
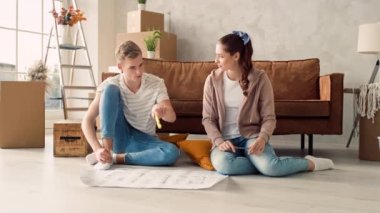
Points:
[(293, 80), (302, 108), (187, 108), (284, 108), (184, 80)]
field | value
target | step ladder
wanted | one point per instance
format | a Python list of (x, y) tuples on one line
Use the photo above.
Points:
[(79, 44)]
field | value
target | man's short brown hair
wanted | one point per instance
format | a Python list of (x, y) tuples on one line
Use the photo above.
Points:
[(127, 49)]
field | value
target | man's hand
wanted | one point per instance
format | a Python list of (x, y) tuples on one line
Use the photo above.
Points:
[(226, 146), (257, 147), (158, 111), (103, 155)]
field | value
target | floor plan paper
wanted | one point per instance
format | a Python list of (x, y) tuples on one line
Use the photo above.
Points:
[(152, 178)]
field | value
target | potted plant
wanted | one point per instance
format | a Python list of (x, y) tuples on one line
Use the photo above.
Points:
[(67, 19), (38, 72), (141, 4), (151, 43)]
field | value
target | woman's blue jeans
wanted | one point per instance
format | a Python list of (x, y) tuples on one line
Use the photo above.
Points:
[(139, 148), (267, 163)]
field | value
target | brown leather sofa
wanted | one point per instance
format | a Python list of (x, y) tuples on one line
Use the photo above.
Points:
[(305, 102)]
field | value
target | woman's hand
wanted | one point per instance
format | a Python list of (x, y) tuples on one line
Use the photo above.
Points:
[(257, 147), (226, 146), (158, 110), (103, 155)]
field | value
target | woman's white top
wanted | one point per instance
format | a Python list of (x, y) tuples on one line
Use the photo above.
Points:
[(233, 97)]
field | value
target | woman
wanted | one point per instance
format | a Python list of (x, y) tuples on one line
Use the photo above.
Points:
[(238, 115)]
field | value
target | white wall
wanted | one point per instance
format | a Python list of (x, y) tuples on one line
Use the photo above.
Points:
[(107, 35), (91, 29), (281, 30), (100, 33)]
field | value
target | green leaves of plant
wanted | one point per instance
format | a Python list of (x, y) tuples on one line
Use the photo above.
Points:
[(151, 41)]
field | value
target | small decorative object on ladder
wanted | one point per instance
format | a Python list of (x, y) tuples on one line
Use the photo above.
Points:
[(67, 20)]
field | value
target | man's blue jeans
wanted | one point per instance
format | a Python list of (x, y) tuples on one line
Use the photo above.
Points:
[(139, 148), (267, 163)]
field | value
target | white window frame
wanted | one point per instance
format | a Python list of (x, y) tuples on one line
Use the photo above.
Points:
[(50, 114)]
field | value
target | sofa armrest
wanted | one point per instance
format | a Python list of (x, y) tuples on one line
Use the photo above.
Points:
[(331, 89), (106, 75), (325, 88)]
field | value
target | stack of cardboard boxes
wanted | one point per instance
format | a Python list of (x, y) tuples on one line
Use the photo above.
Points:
[(141, 24)]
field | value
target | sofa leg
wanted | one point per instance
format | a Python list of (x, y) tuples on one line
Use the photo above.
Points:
[(302, 141), (310, 143)]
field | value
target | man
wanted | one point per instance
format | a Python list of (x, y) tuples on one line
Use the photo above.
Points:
[(127, 104)]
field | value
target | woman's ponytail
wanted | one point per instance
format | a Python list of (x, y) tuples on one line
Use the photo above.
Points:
[(246, 63)]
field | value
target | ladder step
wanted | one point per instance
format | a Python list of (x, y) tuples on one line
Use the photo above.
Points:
[(76, 108), (71, 47), (68, 48), (80, 87), (55, 98), (76, 66), (79, 98)]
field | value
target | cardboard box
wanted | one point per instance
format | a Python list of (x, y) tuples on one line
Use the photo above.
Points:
[(166, 46), (369, 147), (69, 140), (22, 114), (142, 20)]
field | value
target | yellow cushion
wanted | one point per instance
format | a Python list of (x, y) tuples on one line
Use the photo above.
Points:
[(174, 139), (198, 151)]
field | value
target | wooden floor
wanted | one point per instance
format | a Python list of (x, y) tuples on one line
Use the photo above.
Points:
[(32, 180)]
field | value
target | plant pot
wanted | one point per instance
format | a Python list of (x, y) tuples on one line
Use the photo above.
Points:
[(67, 34), (141, 6), (150, 54)]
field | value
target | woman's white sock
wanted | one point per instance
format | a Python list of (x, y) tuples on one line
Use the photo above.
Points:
[(320, 163)]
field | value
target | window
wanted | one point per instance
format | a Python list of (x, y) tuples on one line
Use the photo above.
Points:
[(24, 32)]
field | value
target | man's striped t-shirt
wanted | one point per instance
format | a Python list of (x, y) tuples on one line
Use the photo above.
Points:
[(138, 106)]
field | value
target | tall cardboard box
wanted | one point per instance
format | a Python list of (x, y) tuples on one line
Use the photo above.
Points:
[(166, 46), (142, 20), (22, 114)]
